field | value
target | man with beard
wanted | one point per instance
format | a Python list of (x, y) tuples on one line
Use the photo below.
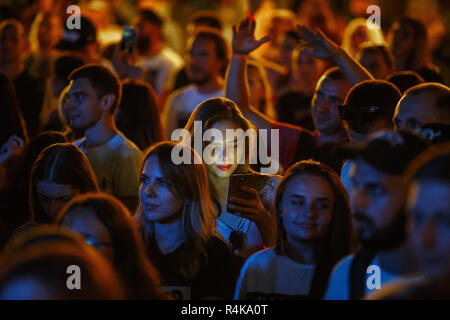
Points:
[(159, 61), (377, 201), (206, 64), (94, 93)]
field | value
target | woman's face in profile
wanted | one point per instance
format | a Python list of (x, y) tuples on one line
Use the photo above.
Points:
[(306, 207), (158, 202), (222, 157), (53, 197)]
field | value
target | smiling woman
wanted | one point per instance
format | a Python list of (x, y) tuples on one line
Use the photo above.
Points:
[(314, 231)]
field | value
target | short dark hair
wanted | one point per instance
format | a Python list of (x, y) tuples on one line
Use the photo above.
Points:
[(151, 16), (206, 18), (405, 80), (440, 91), (205, 33), (64, 65), (102, 80), (334, 73), (371, 100)]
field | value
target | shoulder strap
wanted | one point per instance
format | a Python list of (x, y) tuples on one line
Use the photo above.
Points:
[(358, 268)]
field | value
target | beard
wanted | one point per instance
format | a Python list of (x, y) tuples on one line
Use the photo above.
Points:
[(143, 44), (385, 238)]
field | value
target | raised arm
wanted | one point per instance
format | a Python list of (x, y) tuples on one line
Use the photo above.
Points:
[(324, 48), (236, 89)]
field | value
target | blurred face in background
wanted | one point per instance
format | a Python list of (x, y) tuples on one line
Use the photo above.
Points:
[(307, 70), (429, 209), (203, 63), (11, 43), (402, 40), (414, 111), (256, 86), (49, 31), (85, 222), (358, 37), (374, 63)]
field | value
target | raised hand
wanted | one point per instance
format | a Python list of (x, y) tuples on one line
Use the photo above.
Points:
[(12, 148), (244, 40), (123, 64), (320, 46)]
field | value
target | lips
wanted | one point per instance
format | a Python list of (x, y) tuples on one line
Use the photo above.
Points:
[(150, 206), (225, 167)]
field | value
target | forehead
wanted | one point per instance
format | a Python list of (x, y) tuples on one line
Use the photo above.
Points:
[(416, 104), (53, 189), (83, 220), (203, 44), (333, 87), (364, 172), (308, 185), (152, 167), (81, 84), (429, 195)]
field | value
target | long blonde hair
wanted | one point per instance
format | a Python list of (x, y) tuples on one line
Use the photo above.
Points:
[(189, 182)]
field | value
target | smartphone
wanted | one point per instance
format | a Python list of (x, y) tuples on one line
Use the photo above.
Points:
[(234, 186), (129, 37)]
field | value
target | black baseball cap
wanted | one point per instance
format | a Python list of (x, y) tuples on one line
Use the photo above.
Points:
[(77, 39), (389, 151)]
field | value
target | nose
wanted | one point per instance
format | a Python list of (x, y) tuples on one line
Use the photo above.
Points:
[(428, 234), (312, 212), (324, 105), (150, 190), (358, 200)]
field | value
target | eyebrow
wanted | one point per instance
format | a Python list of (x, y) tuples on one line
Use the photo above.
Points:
[(302, 196)]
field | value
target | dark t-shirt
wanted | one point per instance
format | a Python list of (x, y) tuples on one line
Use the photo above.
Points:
[(295, 108), (30, 93), (217, 276)]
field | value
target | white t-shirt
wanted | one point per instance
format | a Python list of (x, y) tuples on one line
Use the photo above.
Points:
[(338, 285), (161, 69), (182, 103), (116, 165), (266, 275)]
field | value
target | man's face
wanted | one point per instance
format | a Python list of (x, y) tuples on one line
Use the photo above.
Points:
[(328, 96), (146, 32), (415, 111), (83, 106), (203, 62), (430, 229), (375, 64), (376, 200), (11, 43)]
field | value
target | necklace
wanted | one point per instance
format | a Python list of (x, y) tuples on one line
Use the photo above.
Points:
[(238, 238)]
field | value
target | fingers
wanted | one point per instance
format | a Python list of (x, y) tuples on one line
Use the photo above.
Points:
[(263, 40), (17, 141)]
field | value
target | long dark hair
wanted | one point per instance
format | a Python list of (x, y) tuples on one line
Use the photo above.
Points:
[(138, 115), (338, 240), (190, 183), (62, 163), (139, 277)]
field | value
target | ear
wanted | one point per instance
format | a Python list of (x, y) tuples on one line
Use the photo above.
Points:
[(108, 101)]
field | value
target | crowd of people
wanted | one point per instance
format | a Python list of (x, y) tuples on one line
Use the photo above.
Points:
[(357, 128)]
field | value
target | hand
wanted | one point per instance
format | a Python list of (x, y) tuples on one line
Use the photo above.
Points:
[(253, 209), (123, 64), (11, 149), (244, 40), (321, 46)]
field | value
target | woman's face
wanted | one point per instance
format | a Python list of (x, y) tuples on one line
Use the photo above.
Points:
[(306, 208), (85, 222), (53, 197), (158, 203), (403, 43), (226, 154)]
